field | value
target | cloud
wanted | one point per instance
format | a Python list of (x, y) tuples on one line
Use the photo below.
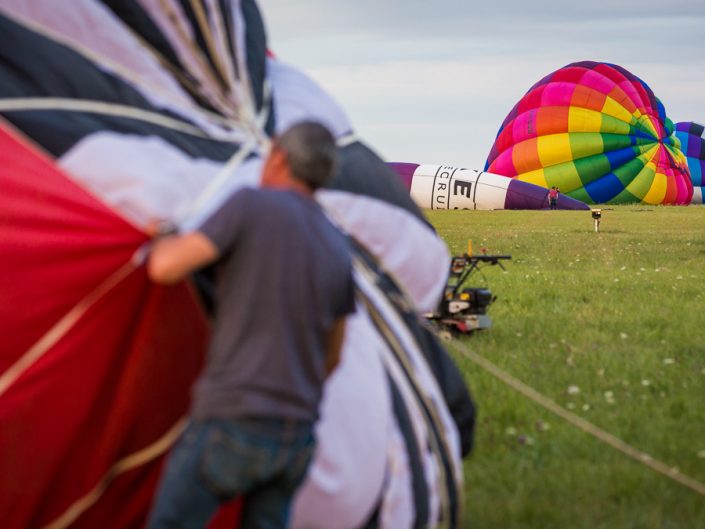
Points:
[(444, 111), (433, 81), (394, 17)]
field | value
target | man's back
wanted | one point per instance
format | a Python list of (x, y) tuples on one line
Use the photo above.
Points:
[(283, 289), (283, 278)]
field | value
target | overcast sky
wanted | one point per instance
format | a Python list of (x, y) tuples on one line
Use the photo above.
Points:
[(431, 81)]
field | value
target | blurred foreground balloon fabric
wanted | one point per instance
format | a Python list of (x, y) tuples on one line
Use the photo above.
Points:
[(116, 113), (597, 132), (94, 359)]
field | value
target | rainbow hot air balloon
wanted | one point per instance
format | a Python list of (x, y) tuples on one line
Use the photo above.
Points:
[(692, 138), (597, 132)]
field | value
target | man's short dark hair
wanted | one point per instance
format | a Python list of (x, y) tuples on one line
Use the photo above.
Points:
[(311, 152)]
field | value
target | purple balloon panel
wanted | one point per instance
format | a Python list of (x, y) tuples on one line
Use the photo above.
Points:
[(405, 172), (523, 195)]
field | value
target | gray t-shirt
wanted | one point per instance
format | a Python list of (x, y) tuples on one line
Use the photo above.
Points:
[(284, 277)]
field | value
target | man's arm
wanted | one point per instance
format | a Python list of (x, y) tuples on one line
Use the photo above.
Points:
[(176, 256), (334, 343)]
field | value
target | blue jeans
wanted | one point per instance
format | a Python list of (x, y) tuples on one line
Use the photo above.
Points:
[(263, 460)]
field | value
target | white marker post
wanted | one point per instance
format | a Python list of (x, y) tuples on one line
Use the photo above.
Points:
[(596, 216)]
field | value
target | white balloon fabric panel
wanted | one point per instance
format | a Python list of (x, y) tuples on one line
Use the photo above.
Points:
[(446, 187), (297, 98)]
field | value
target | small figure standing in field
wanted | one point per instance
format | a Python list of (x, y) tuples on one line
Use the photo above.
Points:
[(553, 197)]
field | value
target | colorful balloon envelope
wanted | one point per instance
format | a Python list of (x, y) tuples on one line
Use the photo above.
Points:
[(692, 138), (598, 133)]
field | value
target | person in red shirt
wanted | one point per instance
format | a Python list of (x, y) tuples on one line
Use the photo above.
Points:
[(553, 197)]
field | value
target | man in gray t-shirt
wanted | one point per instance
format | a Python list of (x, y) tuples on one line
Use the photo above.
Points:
[(283, 289)]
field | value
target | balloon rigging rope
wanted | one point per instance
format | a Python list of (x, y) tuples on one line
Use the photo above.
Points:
[(149, 453), (215, 186), (577, 421), (62, 327), (23, 104)]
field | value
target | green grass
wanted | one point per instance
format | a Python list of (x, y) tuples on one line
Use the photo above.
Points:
[(620, 311)]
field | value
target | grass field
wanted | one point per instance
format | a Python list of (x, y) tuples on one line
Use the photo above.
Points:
[(609, 325)]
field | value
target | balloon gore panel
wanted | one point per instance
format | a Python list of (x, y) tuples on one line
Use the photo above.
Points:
[(598, 133)]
